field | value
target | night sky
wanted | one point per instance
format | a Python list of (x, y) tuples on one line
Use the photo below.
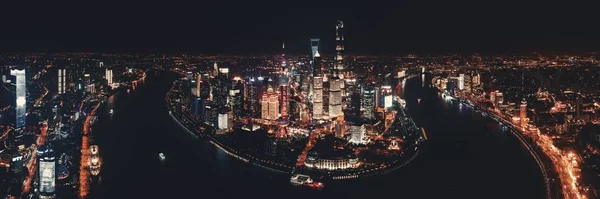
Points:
[(241, 28)]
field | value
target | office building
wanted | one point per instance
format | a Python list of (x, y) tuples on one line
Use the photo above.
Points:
[(523, 112), (386, 93), (62, 80), (317, 98), (20, 98), (314, 48), (357, 134), (109, 77), (461, 81), (368, 102), (335, 98), (270, 105), (46, 171)]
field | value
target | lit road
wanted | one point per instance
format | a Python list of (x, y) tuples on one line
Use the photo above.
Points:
[(84, 183), (565, 163), (31, 165)]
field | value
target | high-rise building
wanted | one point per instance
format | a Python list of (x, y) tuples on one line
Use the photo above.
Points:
[(338, 67), (20, 96), (221, 88), (499, 97), (461, 81), (358, 134), (236, 98), (87, 80), (46, 171), (62, 80), (284, 97), (368, 102), (354, 108), (335, 98), (386, 93), (252, 97), (314, 47), (317, 98), (523, 111), (109, 77), (270, 105)]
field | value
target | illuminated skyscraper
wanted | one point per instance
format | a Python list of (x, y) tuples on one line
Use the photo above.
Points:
[(109, 77), (386, 93), (21, 100), (317, 97), (62, 80), (523, 111), (46, 172), (314, 48), (335, 98), (461, 81), (368, 102), (270, 105), (338, 67)]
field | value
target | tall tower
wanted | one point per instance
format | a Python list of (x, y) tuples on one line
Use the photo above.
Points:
[(314, 50), (20, 96), (62, 80), (368, 102), (109, 77), (46, 171), (523, 111), (317, 86), (335, 98), (338, 67)]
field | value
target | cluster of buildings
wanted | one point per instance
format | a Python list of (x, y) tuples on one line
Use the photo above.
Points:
[(42, 107)]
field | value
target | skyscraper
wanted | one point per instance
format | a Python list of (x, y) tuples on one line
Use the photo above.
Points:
[(335, 98), (368, 102), (235, 95), (109, 77), (338, 67), (221, 88), (252, 97), (20, 98), (314, 48), (523, 111), (317, 97), (46, 171), (62, 80), (270, 105), (386, 93)]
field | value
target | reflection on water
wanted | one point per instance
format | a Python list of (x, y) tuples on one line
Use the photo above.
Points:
[(466, 156)]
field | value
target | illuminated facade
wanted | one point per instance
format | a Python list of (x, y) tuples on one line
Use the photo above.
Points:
[(523, 112), (62, 80), (313, 160), (21, 93), (317, 98), (461, 81), (335, 98), (386, 93), (270, 105), (46, 172), (338, 67), (109, 76), (314, 47), (368, 102), (358, 134)]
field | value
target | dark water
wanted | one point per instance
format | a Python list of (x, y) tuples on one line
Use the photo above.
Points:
[(466, 156)]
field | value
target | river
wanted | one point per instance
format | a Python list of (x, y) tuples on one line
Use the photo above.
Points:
[(465, 156)]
